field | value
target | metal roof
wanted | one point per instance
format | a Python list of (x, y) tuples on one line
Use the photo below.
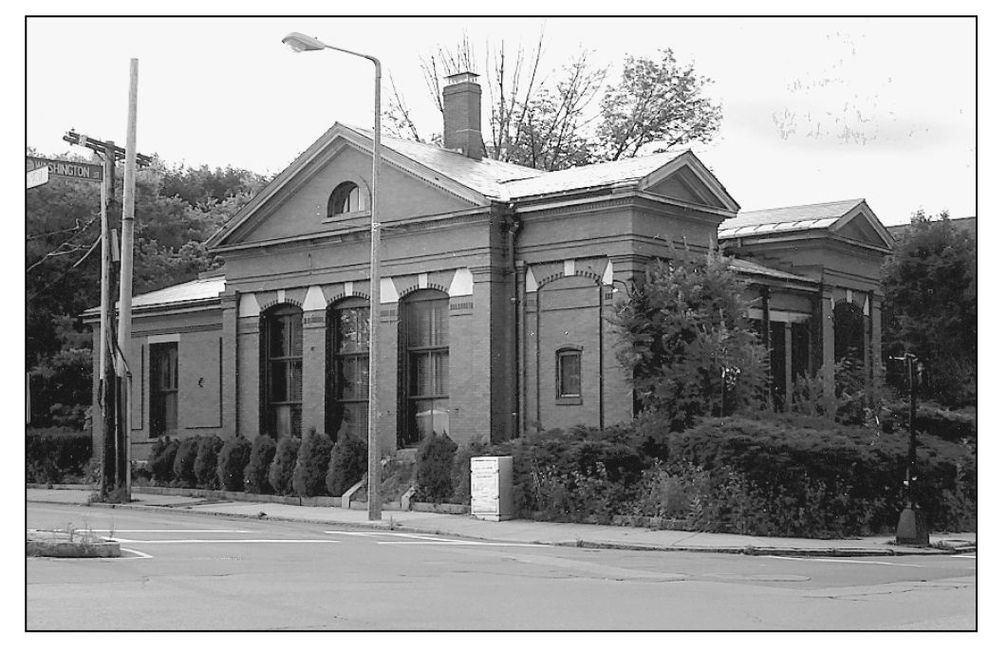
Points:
[(198, 290), (751, 268), (797, 217)]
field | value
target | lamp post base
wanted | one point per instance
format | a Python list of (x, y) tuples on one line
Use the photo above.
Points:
[(911, 529)]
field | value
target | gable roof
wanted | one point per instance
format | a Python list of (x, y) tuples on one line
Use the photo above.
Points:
[(480, 181), (830, 216)]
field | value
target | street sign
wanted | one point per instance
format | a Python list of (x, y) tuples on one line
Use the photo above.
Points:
[(67, 169), (37, 177)]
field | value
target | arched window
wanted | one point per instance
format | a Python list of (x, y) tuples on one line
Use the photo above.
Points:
[(347, 337), (425, 364), (282, 368), (345, 198)]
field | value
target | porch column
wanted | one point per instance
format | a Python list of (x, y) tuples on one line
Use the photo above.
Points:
[(827, 341), (228, 380), (248, 402)]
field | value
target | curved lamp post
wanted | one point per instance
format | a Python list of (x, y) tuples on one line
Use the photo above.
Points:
[(302, 43)]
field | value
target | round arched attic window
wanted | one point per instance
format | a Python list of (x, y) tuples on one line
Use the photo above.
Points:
[(345, 198)]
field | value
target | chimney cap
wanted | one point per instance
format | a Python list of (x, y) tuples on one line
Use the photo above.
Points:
[(461, 77)]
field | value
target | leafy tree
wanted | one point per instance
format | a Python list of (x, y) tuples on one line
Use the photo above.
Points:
[(547, 121), (685, 341), (930, 290)]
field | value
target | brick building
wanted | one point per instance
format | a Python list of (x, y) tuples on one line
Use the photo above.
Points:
[(496, 284)]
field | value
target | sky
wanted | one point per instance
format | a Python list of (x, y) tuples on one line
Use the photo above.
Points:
[(815, 109)]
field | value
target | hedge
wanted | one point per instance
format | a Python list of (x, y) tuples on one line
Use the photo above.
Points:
[(204, 467), (184, 467), (942, 423), (230, 465), (161, 460), (348, 464), (309, 477), (283, 464), (256, 472), (55, 452), (850, 476), (434, 461)]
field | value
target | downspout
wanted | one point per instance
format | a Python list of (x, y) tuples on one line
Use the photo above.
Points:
[(517, 323), (601, 290)]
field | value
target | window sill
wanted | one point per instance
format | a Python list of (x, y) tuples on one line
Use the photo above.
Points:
[(569, 401), (347, 217)]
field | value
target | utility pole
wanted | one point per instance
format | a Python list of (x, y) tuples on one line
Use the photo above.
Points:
[(115, 452), (127, 276), (911, 528)]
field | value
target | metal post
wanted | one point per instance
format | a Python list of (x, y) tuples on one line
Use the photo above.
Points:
[(373, 447), (126, 277)]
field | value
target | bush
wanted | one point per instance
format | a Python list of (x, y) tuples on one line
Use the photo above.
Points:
[(207, 457), (397, 476), (55, 452), (184, 466), (575, 475), (161, 460), (434, 461), (798, 476), (309, 477), (230, 464), (283, 464), (256, 472), (348, 463), (942, 423), (460, 470)]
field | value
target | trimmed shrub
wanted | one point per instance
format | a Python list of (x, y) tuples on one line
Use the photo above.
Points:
[(207, 457), (397, 476), (309, 477), (434, 462), (460, 470), (348, 463), (184, 466), (794, 476), (161, 460), (230, 464), (256, 472), (56, 452), (283, 464)]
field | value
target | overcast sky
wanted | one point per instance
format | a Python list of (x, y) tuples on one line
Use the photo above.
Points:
[(814, 109)]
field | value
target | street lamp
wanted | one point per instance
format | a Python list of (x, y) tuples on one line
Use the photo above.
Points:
[(302, 43)]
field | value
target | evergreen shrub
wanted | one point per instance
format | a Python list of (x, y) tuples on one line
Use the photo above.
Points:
[(309, 476), (161, 460), (184, 466), (204, 467), (434, 462), (348, 463), (256, 472), (53, 453), (231, 462), (460, 470), (283, 464)]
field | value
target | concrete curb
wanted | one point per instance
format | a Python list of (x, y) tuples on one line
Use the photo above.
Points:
[(578, 543)]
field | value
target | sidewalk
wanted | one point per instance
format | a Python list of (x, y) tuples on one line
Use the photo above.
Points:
[(523, 531)]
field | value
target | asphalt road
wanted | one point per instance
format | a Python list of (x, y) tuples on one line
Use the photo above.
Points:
[(187, 572)]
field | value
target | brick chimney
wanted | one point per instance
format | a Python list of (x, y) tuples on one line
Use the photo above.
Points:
[(462, 115)]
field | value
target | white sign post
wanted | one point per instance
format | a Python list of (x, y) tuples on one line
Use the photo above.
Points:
[(491, 487)]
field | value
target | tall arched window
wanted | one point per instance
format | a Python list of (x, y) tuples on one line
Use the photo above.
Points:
[(345, 198), (282, 380), (347, 337), (425, 364)]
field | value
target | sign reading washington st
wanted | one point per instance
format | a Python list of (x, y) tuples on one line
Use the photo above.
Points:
[(67, 169)]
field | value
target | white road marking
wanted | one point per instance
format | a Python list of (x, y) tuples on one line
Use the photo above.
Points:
[(223, 541), (425, 541), (456, 543), (139, 554), (166, 530), (968, 557), (842, 561)]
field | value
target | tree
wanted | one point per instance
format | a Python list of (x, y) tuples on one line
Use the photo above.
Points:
[(685, 341), (930, 288), (547, 121)]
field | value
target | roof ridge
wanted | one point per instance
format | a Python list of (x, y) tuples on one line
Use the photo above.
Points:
[(803, 205)]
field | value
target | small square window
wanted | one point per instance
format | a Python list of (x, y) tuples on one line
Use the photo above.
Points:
[(568, 373)]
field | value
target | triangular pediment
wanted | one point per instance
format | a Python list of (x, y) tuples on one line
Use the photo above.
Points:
[(295, 204), (686, 180), (862, 225)]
